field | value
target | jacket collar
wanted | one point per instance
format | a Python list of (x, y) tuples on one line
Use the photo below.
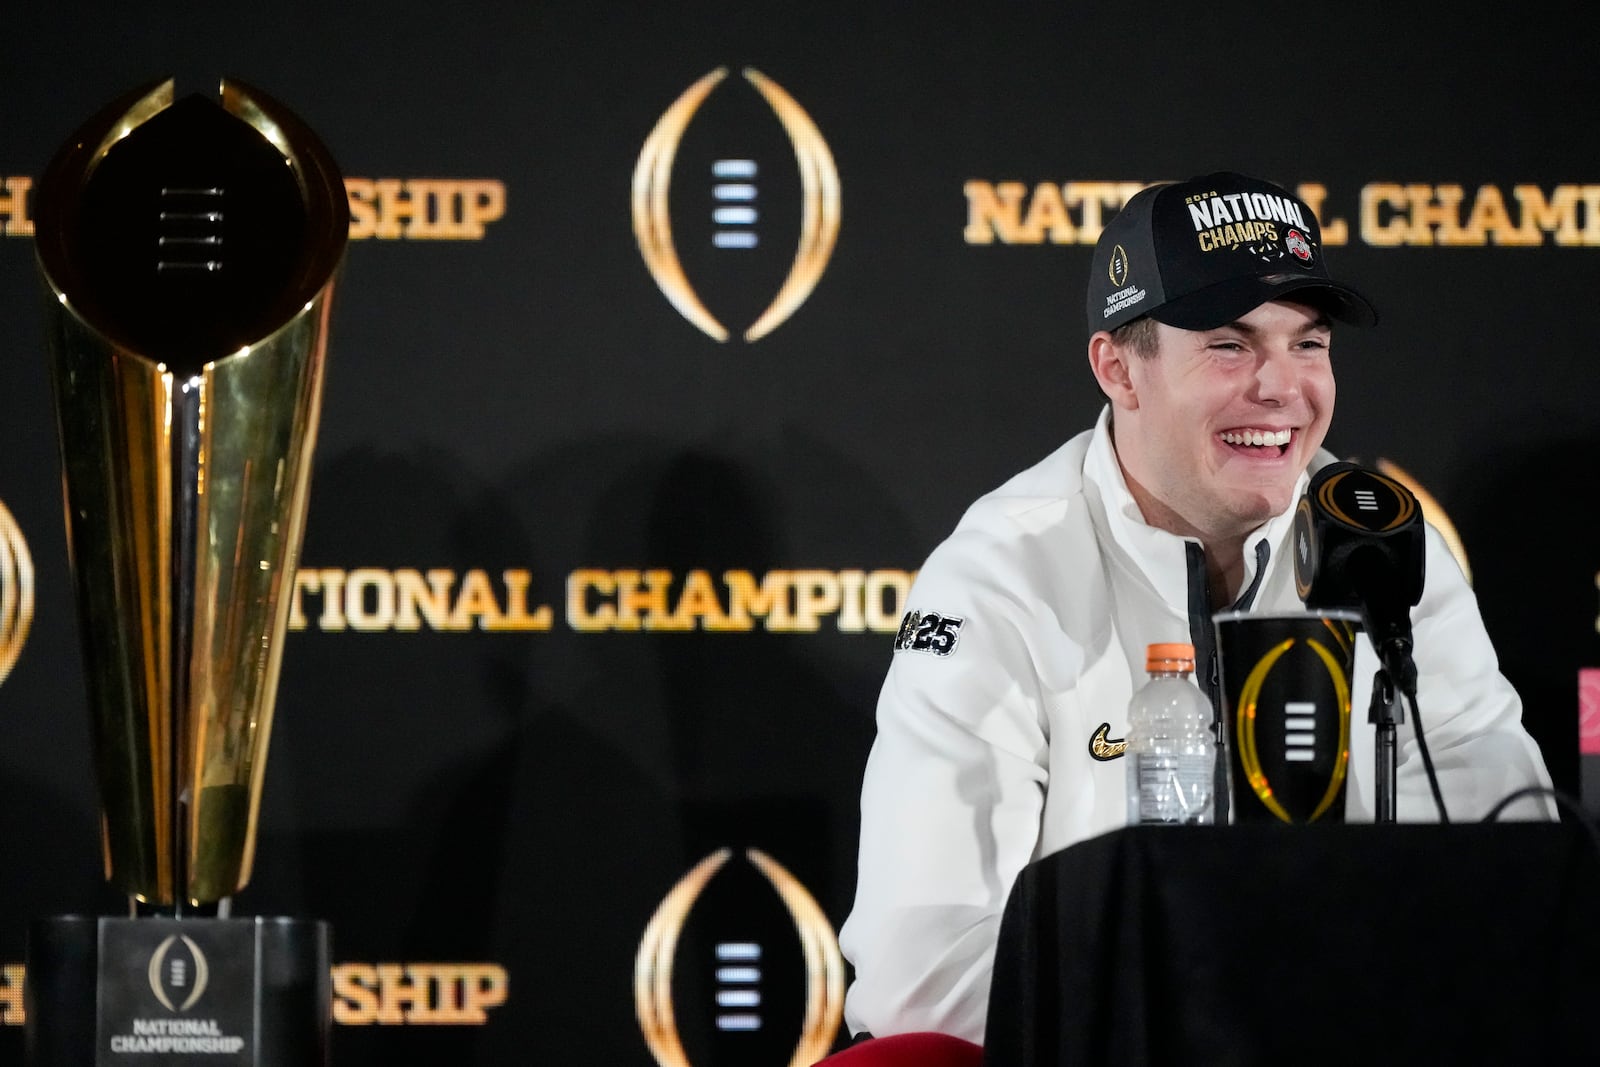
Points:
[(1161, 557)]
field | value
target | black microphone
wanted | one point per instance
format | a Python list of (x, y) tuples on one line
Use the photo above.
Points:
[(1359, 543)]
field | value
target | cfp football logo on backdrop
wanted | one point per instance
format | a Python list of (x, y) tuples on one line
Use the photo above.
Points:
[(740, 220), (1433, 513), (742, 951), (16, 592)]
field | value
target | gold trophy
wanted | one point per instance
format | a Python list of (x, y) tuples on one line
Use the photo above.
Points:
[(190, 248)]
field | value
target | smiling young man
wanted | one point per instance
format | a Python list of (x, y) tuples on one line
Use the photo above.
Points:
[(1213, 428), (1211, 315)]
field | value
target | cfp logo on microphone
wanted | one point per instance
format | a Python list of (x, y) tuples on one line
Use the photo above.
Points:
[(178, 973), (1432, 512), (16, 592), (741, 977), (741, 185)]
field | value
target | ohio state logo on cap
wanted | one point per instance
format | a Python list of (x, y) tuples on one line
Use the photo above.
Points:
[(1297, 244)]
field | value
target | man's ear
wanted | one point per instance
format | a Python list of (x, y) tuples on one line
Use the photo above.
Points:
[(1109, 362)]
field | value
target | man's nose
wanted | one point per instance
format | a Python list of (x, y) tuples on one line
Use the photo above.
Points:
[(1277, 377)]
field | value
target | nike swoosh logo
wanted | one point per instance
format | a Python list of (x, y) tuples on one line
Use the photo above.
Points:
[(1104, 748)]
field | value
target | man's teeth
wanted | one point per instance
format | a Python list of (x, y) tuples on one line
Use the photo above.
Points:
[(1257, 437)]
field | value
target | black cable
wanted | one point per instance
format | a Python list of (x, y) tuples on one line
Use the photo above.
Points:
[(1427, 760), (1565, 801)]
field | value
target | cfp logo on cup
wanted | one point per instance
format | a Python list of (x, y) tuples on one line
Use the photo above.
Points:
[(740, 1003), (16, 592), (1302, 732), (181, 974), (737, 213)]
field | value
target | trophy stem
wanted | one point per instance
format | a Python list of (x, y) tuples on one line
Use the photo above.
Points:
[(186, 488)]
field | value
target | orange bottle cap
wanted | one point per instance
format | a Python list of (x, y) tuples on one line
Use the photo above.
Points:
[(1158, 654)]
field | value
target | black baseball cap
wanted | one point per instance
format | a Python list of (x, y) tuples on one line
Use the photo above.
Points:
[(1199, 254)]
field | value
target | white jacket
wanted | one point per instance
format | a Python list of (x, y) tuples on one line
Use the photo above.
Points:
[(1046, 594)]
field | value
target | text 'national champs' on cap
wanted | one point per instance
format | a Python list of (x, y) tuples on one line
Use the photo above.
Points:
[(1201, 253)]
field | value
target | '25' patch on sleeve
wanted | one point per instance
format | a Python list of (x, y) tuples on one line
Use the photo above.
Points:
[(928, 631)]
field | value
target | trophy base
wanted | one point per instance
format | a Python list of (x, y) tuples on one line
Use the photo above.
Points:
[(237, 992)]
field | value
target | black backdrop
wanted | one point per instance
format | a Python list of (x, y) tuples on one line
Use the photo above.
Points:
[(514, 400)]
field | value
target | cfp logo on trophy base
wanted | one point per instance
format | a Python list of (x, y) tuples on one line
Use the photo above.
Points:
[(178, 979), (741, 184), (732, 975), (16, 592), (177, 994)]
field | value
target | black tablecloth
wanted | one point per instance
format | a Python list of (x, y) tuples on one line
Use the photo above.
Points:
[(1350, 944)]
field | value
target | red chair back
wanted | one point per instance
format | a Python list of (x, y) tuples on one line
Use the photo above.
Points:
[(908, 1050)]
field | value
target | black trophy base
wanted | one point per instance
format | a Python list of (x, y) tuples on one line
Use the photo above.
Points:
[(244, 992)]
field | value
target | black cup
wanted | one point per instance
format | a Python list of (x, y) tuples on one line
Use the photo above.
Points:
[(1286, 712)]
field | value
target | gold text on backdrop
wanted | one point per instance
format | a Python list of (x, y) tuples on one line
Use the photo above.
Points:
[(1070, 213), (385, 209), (14, 218), (424, 209), (1391, 214), (364, 994), (376, 600), (12, 976), (1421, 214), (786, 601), (371, 600), (417, 994)]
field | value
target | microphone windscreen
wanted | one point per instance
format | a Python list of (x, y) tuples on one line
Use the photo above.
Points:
[(1346, 508)]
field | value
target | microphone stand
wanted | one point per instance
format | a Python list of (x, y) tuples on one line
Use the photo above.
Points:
[(1385, 713)]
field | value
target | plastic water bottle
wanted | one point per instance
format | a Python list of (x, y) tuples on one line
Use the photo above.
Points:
[(1171, 753)]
